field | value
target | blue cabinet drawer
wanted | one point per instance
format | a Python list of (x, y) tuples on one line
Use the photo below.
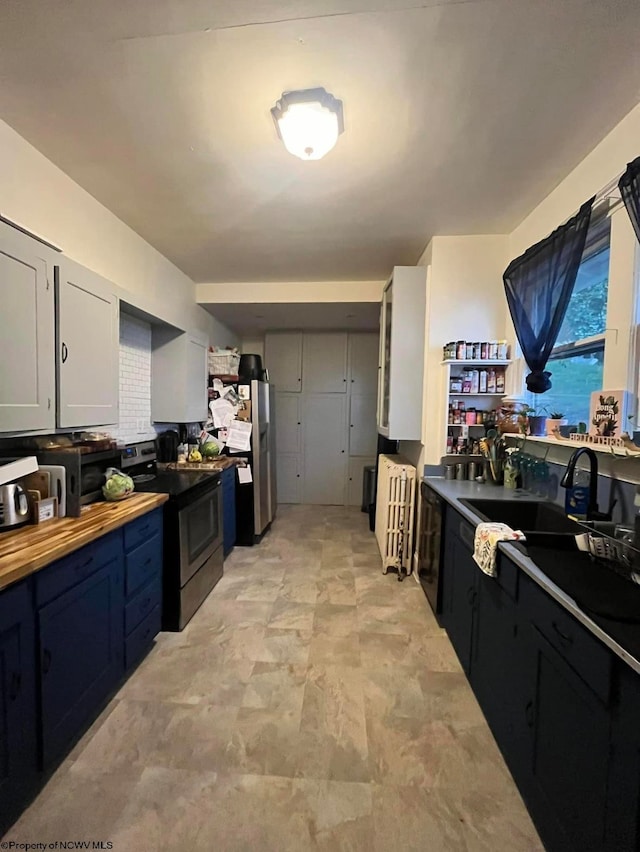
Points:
[(142, 604), (142, 529), (141, 639), (142, 564), (55, 579)]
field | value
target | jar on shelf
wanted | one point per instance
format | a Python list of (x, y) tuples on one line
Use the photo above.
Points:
[(461, 350)]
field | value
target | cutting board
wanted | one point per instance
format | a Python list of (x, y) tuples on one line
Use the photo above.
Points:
[(57, 485), (38, 481)]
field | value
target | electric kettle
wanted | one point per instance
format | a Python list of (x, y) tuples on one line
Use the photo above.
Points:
[(14, 506)]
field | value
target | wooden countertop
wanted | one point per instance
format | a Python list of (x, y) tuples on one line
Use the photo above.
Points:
[(30, 548), (217, 463)]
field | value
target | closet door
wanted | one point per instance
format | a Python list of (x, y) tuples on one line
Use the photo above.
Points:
[(363, 363), (325, 446), (283, 360), (324, 362), (288, 425), (289, 478), (363, 435)]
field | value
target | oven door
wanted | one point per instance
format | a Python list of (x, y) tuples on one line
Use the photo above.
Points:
[(200, 530)]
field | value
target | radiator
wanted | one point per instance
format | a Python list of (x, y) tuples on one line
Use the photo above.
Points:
[(394, 512)]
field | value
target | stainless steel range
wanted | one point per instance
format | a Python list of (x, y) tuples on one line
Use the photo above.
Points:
[(193, 531)]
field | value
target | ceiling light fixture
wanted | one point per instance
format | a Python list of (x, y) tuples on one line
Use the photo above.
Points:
[(309, 122)]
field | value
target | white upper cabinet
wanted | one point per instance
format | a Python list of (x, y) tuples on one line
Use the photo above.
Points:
[(363, 363), (402, 354), (283, 360), (324, 362), (178, 376), (27, 350), (87, 357)]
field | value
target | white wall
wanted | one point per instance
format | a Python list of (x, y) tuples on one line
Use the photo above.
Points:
[(602, 165), (465, 300), (253, 346), (39, 196)]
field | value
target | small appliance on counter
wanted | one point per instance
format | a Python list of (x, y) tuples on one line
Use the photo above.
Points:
[(167, 446), (14, 506), (14, 503)]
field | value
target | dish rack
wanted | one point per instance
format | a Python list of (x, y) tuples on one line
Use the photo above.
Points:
[(619, 553)]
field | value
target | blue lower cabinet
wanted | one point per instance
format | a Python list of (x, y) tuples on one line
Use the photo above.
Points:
[(81, 655), (138, 642), (229, 508), (18, 730), (143, 585)]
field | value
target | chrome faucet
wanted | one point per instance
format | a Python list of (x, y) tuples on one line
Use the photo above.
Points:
[(567, 482)]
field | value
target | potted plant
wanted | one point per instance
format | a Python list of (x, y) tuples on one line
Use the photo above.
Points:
[(555, 420), (530, 422)]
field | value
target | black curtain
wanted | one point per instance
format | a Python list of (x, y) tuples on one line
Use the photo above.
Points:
[(629, 185), (538, 285)]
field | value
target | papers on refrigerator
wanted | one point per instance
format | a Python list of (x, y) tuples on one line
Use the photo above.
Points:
[(222, 413), (239, 436), (244, 475)]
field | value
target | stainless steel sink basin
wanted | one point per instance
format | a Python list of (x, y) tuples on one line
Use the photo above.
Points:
[(525, 515)]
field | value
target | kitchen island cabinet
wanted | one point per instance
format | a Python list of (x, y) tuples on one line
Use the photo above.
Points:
[(562, 706)]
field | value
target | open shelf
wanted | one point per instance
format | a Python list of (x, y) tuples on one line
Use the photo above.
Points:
[(566, 443), (493, 362)]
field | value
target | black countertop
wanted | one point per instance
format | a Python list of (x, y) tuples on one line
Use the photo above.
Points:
[(606, 603)]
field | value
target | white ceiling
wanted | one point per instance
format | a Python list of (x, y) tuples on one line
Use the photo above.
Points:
[(250, 319), (459, 118)]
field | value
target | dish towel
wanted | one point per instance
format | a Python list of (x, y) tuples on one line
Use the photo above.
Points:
[(485, 544)]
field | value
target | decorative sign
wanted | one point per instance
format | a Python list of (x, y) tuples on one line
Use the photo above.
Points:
[(608, 413)]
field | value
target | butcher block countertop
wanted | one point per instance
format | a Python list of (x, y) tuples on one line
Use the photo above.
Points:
[(216, 463), (32, 547)]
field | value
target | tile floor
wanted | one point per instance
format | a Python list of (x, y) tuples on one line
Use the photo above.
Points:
[(312, 703)]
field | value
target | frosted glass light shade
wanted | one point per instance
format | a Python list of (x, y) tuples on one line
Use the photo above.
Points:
[(308, 122)]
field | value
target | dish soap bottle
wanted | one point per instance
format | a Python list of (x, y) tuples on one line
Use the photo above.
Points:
[(511, 469)]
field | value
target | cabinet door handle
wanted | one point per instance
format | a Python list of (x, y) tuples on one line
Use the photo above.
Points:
[(14, 688), (65, 352), (564, 636), (528, 714), (46, 660), (84, 565), (471, 595)]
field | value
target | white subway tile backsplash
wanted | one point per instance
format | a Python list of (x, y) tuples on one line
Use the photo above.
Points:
[(135, 380)]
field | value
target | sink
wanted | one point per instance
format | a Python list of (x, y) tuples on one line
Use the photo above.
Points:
[(596, 588), (525, 515)]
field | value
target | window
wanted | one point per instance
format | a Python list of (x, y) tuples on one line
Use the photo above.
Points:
[(576, 362)]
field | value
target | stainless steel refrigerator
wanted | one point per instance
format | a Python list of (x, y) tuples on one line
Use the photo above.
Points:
[(256, 502)]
